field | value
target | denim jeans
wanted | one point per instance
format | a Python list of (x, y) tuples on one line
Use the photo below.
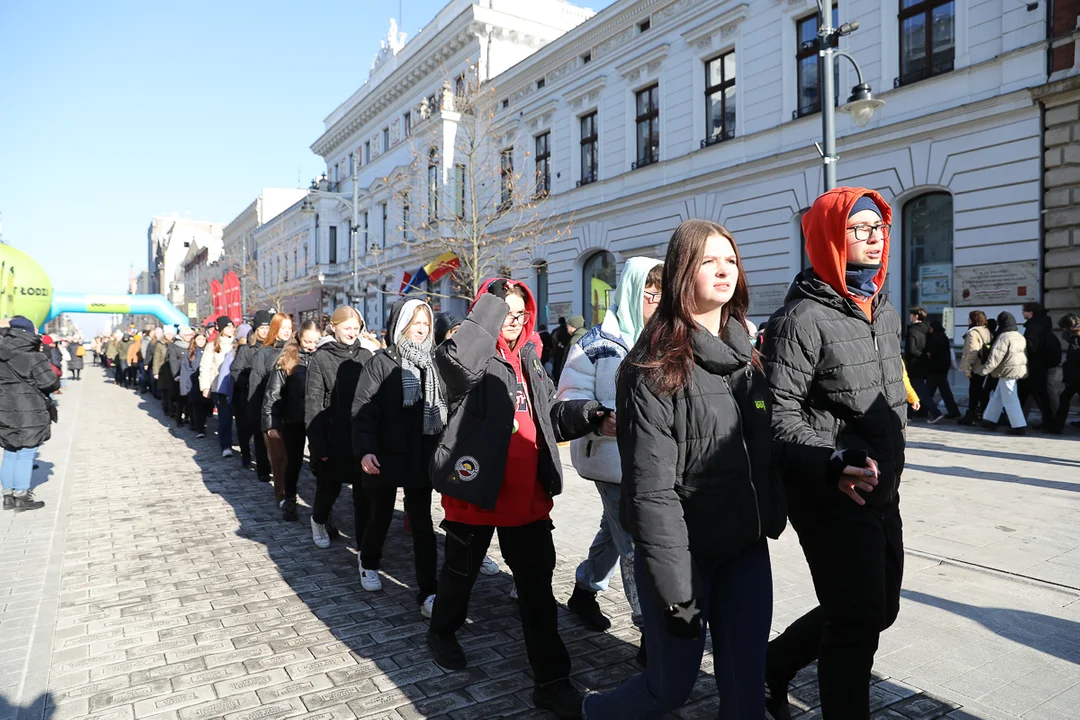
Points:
[(224, 420), (612, 546), (16, 470), (1005, 395), (736, 603)]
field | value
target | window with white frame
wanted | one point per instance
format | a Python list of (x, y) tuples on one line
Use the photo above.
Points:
[(433, 184), (590, 139), (720, 98), (648, 126), (927, 39), (543, 164), (808, 65), (506, 177)]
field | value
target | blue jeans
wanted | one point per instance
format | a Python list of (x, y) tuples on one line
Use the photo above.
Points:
[(737, 606), (224, 420), (612, 545), (16, 470)]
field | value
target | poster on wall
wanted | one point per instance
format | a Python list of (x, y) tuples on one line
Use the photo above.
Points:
[(935, 286), (558, 310), (998, 284), (767, 299)]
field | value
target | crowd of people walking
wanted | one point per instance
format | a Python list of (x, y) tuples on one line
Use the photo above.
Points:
[(702, 436)]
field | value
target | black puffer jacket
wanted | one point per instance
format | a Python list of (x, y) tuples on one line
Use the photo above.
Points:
[(25, 382), (283, 401), (837, 384), (1036, 331), (697, 479), (240, 370), (262, 363), (331, 386), (939, 353), (174, 360), (1070, 370), (916, 351)]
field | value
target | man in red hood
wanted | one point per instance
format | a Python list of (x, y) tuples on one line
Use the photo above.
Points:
[(833, 364), (497, 467)]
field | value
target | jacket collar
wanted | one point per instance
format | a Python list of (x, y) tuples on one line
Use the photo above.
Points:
[(808, 285), (725, 354)]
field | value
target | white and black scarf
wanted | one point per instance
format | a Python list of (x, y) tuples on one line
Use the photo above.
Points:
[(415, 358)]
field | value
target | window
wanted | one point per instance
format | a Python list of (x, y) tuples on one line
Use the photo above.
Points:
[(364, 226), (459, 86), (506, 177), (589, 141), (543, 164), (406, 124), (385, 139), (333, 174), (541, 83), (648, 126), (927, 39), (382, 238), (505, 103), (349, 229), (296, 263), (928, 253), (644, 26), (598, 285), (459, 190), (352, 165), (719, 99), (433, 184), (333, 244), (541, 292), (405, 219), (808, 64), (367, 151), (586, 58)]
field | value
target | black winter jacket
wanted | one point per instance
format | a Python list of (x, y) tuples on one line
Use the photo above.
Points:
[(240, 371), (283, 401), (25, 383), (189, 375), (174, 360), (332, 375), (481, 391), (837, 384), (939, 353), (1070, 370), (697, 479), (383, 426), (1036, 330), (916, 356), (262, 364)]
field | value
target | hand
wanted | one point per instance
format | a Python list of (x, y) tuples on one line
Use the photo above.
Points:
[(498, 288), (206, 393), (863, 478), (370, 464), (916, 405), (273, 432), (683, 620), (967, 375), (607, 427)]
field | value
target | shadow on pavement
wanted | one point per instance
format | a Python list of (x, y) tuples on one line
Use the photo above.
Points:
[(40, 709), (968, 472), (1019, 457), (332, 617), (43, 470)]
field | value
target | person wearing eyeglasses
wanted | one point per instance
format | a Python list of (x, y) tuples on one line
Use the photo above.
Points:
[(497, 467), (833, 361)]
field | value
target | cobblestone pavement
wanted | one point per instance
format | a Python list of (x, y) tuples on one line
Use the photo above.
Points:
[(160, 582)]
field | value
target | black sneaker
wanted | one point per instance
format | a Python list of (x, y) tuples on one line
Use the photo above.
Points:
[(966, 421), (264, 478), (987, 425), (288, 510), (331, 529), (447, 652), (583, 604), (1018, 431), (642, 658), (245, 461), (9, 501), (26, 502), (776, 701), (560, 698)]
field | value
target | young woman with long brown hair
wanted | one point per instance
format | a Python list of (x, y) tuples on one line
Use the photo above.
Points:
[(262, 363), (692, 410), (283, 415)]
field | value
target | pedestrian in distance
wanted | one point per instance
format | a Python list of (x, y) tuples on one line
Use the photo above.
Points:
[(560, 341), (585, 411), (77, 353), (1008, 363), (164, 337), (247, 433), (169, 373), (917, 361), (698, 493), (283, 415), (498, 468), (266, 354), (331, 387), (399, 413), (1070, 331), (198, 406), (1043, 354), (833, 360), (26, 381), (134, 362), (977, 341), (939, 361), (213, 372)]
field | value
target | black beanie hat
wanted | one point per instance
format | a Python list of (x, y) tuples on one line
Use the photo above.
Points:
[(262, 317), (223, 322)]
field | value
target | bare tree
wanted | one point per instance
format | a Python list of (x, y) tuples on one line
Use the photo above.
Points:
[(256, 294)]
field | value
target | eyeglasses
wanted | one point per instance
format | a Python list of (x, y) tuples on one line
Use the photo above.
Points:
[(865, 232), (517, 318), (652, 297)]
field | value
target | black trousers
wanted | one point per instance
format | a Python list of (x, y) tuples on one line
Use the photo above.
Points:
[(167, 400), (939, 382), (120, 376), (1064, 401), (200, 409), (530, 553), (418, 508), (262, 456), (856, 559), (1037, 386), (244, 429), (976, 396), (287, 458), (331, 475)]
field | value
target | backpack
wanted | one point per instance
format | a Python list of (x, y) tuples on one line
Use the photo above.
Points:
[(1051, 349), (984, 350), (80, 351)]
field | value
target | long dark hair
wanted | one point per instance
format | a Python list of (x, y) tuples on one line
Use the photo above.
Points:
[(663, 351), (290, 354)]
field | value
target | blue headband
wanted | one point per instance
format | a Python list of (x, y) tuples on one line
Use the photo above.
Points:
[(865, 203)]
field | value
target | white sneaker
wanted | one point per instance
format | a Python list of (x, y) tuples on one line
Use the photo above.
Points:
[(369, 580), (227, 452), (319, 535), (513, 592), (428, 606), (489, 566)]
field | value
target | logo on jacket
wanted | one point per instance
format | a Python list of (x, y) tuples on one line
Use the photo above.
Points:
[(759, 404), (466, 468)]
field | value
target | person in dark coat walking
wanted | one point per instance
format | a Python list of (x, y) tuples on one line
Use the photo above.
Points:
[(917, 360), (1070, 375), (698, 494), (833, 361), (198, 407), (939, 361), (262, 363), (169, 375), (1043, 353), (283, 415), (26, 381), (560, 341), (76, 360), (498, 468), (398, 416), (241, 376), (331, 387)]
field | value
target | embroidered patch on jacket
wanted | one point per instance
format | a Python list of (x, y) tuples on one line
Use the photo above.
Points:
[(466, 468), (759, 404)]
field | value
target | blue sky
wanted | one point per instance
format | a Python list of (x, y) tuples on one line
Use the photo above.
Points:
[(113, 112)]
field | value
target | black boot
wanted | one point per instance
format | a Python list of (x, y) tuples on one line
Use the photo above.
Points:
[(26, 501), (288, 509), (447, 651), (331, 529), (642, 657), (776, 700), (583, 604), (560, 697), (9, 501)]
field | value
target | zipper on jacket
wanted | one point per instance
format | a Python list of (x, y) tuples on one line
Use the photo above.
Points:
[(746, 450)]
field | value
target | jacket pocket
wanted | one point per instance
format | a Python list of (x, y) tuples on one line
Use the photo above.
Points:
[(715, 517)]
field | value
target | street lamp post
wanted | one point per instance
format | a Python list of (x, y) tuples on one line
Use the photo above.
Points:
[(861, 105), (354, 207)]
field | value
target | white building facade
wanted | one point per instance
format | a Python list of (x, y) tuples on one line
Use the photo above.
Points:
[(655, 111), (169, 238)]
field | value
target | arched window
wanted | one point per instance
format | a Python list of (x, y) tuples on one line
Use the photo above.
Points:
[(433, 184), (541, 268), (598, 284), (928, 253)]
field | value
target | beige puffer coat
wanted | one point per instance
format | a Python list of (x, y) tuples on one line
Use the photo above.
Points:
[(1008, 358), (974, 339)]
